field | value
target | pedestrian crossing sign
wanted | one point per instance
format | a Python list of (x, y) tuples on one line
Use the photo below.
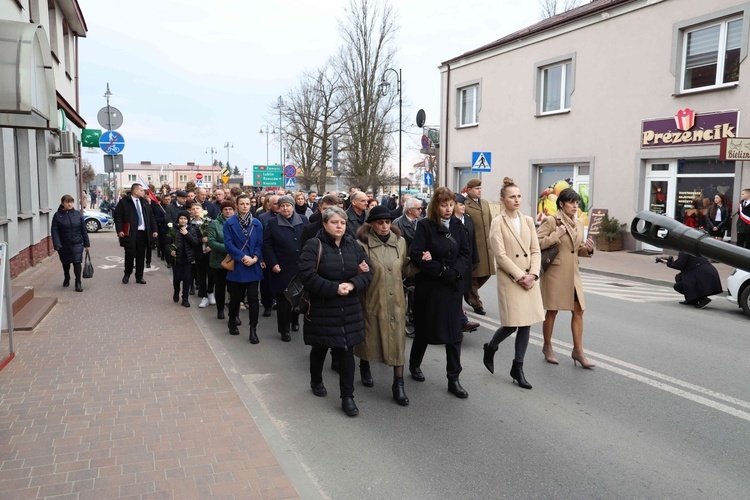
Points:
[(291, 182), (481, 161)]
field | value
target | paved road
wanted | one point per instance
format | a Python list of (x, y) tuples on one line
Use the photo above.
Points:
[(666, 413)]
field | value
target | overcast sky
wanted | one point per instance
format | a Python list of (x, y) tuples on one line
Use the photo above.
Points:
[(188, 75)]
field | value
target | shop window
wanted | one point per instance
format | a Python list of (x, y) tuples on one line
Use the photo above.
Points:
[(698, 181), (468, 104), (552, 179)]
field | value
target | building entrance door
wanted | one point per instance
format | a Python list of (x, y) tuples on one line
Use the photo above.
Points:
[(659, 192)]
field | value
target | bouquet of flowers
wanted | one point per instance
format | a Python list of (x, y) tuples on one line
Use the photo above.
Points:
[(172, 236), (205, 223)]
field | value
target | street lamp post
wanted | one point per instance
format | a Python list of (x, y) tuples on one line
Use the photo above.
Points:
[(267, 131), (212, 151), (281, 143), (384, 86), (229, 146)]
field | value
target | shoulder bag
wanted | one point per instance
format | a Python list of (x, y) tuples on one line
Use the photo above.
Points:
[(228, 262), (88, 269), (550, 254), (295, 292)]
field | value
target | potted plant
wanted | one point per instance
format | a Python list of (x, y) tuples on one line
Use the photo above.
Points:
[(609, 238)]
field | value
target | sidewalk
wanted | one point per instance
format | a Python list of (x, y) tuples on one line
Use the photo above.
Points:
[(115, 395)]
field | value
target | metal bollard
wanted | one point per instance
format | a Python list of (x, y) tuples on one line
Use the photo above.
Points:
[(662, 231)]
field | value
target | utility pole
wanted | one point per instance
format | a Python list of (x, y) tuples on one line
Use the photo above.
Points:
[(267, 131), (281, 142), (228, 145)]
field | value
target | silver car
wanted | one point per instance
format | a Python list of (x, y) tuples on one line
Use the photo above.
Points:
[(96, 221)]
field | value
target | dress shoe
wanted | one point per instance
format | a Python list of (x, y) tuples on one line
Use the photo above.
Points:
[(176, 295), (254, 336), (237, 321), (126, 278), (489, 357), (578, 355), (295, 327), (66, 281), (399, 395), (416, 374), (701, 303), (480, 311), (79, 287), (549, 354), (319, 389), (516, 373), (366, 374), (266, 312), (286, 337), (140, 281), (454, 387), (349, 407), (470, 326), (185, 303), (220, 314), (233, 330), (148, 265)]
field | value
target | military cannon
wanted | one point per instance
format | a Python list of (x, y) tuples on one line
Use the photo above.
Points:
[(661, 231)]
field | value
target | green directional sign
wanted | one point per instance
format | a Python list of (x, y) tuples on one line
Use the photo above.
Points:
[(90, 137), (268, 176)]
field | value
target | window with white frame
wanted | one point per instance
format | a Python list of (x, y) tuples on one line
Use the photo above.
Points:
[(207, 178), (132, 178), (711, 54), (555, 87), (162, 179), (467, 98), (183, 177)]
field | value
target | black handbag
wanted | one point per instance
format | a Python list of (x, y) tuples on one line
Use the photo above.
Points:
[(548, 255), (295, 292), (88, 269)]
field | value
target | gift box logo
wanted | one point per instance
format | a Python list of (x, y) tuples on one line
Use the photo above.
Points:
[(685, 119)]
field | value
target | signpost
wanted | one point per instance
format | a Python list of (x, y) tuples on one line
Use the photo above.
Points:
[(109, 117), (90, 137), (481, 161), (264, 176), (112, 143), (225, 175), (427, 179)]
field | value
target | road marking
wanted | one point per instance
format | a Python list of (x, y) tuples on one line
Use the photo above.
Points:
[(627, 290), (644, 375)]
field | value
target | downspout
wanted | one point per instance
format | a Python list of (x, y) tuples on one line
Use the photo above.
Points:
[(447, 119), (78, 102)]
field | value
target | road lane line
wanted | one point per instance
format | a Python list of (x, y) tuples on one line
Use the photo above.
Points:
[(537, 339)]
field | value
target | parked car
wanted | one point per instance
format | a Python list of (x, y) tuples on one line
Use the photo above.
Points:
[(738, 288), (96, 221)]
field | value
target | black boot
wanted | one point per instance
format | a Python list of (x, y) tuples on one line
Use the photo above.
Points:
[(517, 373), (176, 294), (192, 289), (66, 280), (237, 321), (489, 357), (253, 336), (349, 407), (220, 313), (233, 330), (399, 395), (454, 387), (79, 287), (364, 371)]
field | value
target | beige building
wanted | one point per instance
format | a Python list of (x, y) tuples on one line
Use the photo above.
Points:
[(624, 100), (40, 121), (177, 176)]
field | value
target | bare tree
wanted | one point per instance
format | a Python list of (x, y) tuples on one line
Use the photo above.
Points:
[(87, 172), (550, 7), (367, 29)]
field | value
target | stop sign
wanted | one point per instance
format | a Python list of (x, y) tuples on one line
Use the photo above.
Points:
[(199, 176)]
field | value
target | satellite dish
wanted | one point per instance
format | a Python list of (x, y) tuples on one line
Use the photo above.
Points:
[(420, 118)]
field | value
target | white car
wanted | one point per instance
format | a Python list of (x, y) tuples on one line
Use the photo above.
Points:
[(738, 286)]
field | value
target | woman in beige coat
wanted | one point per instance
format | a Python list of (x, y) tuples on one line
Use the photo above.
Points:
[(562, 288), (383, 302), (516, 251)]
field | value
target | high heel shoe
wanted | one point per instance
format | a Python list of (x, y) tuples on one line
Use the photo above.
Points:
[(399, 395), (489, 357), (578, 355), (549, 354), (517, 375)]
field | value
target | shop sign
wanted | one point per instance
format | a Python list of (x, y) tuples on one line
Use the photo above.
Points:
[(688, 128), (737, 148)]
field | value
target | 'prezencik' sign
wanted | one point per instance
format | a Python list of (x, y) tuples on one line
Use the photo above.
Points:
[(688, 128)]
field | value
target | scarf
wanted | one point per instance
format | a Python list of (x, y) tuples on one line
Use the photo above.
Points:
[(445, 222), (570, 225), (302, 210), (245, 221)]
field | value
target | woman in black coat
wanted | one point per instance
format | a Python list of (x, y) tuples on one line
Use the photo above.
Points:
[(696, 280), (70, 238), (334, 320), (718, 219), (440, 250), (281, 249)]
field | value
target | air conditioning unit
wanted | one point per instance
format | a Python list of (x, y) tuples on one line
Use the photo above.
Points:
[(68, 143)]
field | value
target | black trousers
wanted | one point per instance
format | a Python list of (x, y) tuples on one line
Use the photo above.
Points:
[(345, 358), (204, 279), (284, 314), (237, 292), (266, 295), (452, 356), (220, 286), (181, 275), (139, 255), (743, 240)]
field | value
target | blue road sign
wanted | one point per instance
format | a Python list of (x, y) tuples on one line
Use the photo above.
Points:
[(112, 143), (291, 182), (427, 179), (290, 171), (481, 161)]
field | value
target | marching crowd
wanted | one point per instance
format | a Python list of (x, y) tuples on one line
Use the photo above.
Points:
[(363, 262)]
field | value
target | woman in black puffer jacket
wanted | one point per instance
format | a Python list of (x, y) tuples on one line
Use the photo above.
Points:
[(70, 238), (335, 318)]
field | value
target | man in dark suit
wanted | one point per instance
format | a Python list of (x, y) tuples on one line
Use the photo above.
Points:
[(136, 228), (177, 205), (312, 201), (459, 212), (743, 224)]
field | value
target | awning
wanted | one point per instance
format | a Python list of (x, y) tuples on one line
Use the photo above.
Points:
[(27, 80)]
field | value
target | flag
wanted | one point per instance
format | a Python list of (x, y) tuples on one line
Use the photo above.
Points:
[(150, 193)]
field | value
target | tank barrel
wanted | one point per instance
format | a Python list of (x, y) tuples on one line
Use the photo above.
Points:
[(664, 232)]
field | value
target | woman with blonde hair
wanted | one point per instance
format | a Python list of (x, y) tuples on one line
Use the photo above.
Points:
[(515, 246), (562, 288)]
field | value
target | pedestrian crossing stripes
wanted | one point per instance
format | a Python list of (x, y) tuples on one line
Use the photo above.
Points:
[(632, 291)]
